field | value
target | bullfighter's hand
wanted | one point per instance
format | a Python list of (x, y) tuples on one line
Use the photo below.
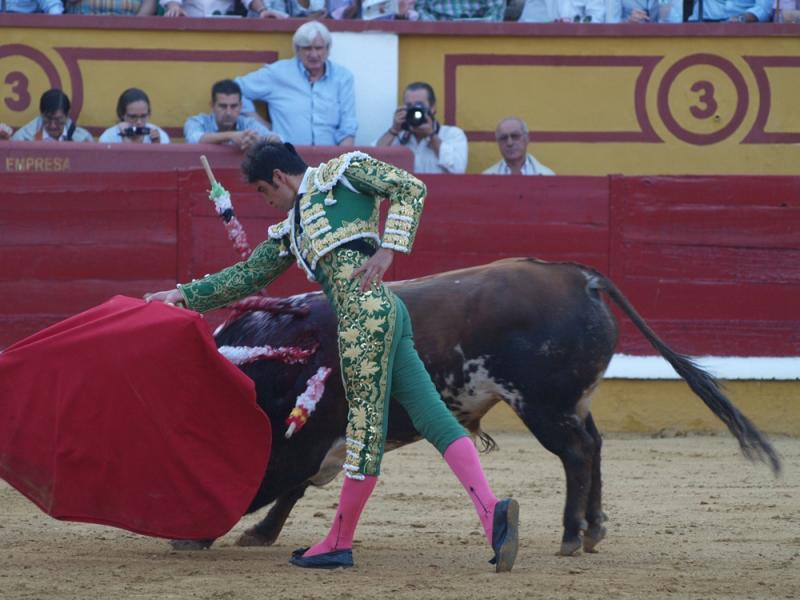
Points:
[(372, 271), (5, 131), (172, 297)]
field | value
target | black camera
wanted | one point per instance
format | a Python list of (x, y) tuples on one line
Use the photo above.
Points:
[(416, 115), (134, 131)]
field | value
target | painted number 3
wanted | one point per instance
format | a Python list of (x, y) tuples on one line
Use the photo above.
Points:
[(20, 98), (708, 105)]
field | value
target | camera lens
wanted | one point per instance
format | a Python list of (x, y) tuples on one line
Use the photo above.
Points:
[(416, 115)]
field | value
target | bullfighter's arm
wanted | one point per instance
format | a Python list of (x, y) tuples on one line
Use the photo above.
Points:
[(268, 261), (405, 192)]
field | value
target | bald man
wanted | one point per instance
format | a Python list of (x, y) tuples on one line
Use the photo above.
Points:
[(512, 139)]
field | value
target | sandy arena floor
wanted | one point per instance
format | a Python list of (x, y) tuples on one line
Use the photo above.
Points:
[(688, 518)]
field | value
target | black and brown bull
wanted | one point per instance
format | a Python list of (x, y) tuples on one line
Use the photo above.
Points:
[(535, 335)]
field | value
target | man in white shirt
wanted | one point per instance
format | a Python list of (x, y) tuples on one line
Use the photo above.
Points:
[(512, 140), (197, 8), (437, 148)]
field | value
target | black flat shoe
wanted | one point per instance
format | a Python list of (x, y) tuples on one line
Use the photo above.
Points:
[(330, 560), (505, 534)]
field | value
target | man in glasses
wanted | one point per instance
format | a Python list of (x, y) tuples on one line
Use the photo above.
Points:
[(53, 122), (512, 139)]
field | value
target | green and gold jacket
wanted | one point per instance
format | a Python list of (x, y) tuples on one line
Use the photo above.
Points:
[(341, 204)]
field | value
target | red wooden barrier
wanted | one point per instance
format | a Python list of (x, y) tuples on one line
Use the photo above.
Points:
[(712, 263), (715, 260)]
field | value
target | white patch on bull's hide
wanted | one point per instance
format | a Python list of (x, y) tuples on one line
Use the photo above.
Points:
[(480, 390), (331, 464), (585, 403)]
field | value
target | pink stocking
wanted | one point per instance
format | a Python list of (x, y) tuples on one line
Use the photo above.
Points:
[(462, 456), (354, 495)]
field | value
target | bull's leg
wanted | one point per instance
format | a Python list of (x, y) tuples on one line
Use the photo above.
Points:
[(566, 437), (266, 531), (594, 510)]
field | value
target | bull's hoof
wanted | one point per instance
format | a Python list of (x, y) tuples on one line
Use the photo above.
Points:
[(190, 545), (570, 547), (251, 537), (594, 535)]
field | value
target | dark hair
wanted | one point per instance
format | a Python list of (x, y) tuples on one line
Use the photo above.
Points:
[(421, 85), (227, 87), (128, 97), (52, 101), (263, 158)]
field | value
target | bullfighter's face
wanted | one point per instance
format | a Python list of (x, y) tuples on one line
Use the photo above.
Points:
[(281, 191)]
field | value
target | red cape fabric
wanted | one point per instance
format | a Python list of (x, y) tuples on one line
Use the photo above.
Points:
[(127, 415)]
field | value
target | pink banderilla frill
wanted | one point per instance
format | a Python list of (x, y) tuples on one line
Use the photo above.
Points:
[(222, 203), (307, 401)]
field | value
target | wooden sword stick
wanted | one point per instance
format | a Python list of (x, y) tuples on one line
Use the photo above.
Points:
[(204, 161)]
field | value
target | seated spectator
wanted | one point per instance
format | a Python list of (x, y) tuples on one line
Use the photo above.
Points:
[(512, 140), (373, 10), (790, 11), (564, 11), (198, 8), (225, 124), (738, 11), (461, 10), (53, 122), (642, 11), (51, 7), (133, 110), (310, 99), (437, 148), (283, 9), (129, 8)]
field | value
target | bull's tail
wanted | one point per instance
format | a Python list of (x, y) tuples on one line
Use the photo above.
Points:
[(753, 444)]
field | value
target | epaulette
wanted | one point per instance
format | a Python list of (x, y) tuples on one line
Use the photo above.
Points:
[(329, 173)]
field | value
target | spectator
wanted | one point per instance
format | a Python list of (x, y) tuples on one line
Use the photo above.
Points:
[(130, 8), (53, 122), (225, 124), (198, 8), (790, 11), (740, 11), (567, 11), (51, 7), (643, 11), (310, 99), (512, 140), (371, 10), (437, 148), (283, 9), (455, 10), (133, 110)]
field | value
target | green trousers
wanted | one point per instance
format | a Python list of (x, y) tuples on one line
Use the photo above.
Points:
[(379, 361)]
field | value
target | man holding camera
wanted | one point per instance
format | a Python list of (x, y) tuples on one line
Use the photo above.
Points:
[(437, 148)]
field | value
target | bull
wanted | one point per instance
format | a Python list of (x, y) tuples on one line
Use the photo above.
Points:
[(535, 335)]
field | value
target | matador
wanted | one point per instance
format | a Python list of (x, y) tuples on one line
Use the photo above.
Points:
[(332, 232)]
